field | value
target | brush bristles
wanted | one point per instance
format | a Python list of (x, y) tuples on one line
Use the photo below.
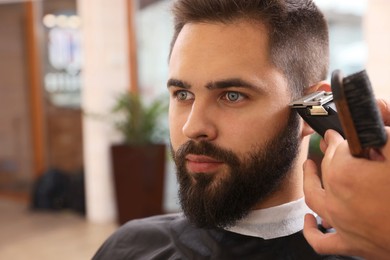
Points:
[(365, 114)]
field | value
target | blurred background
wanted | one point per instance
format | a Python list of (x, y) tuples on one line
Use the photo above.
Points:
[(63, 64)]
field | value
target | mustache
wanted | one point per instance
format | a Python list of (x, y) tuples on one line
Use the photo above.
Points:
[(205, 148)]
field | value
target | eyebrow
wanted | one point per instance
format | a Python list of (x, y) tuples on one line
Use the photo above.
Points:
[(220, 84), (228, 83), (178, 83)]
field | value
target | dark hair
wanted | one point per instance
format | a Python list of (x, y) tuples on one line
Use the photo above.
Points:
[(298, 32)]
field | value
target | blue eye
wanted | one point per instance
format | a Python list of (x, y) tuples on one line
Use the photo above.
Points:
[(182, 95), (233, 96)]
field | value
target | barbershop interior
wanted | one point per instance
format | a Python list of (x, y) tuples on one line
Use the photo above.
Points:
[(66, 182)]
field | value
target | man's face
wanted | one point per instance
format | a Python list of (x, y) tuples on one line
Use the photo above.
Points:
[(232, 138)]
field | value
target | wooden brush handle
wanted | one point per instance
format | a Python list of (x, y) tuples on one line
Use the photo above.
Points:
[(345, 116)]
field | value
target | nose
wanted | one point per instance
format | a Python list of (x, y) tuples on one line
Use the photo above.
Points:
[(200, 124)]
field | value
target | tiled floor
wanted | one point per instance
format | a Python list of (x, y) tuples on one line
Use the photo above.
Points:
[(45, 236)]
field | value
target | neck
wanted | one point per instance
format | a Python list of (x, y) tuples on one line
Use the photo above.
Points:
[(291, 188)]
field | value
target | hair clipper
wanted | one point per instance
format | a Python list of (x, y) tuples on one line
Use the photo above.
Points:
[(358, 118), (319, 111)]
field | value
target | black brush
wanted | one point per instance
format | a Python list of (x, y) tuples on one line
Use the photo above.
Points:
[(358, 112), (350, 109)]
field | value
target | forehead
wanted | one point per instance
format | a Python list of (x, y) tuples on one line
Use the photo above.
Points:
[(238, 42), (213, 51)]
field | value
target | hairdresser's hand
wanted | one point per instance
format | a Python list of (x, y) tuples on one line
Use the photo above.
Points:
[(354, 200), (384, 107)]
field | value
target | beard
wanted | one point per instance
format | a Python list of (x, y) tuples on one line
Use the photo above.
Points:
[(211, 201)]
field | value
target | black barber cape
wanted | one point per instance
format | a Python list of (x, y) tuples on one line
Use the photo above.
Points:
[(174, 237)]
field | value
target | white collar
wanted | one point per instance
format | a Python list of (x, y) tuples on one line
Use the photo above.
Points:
[(269, 223)]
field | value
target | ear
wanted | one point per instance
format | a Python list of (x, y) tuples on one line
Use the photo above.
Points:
[(320, 86)]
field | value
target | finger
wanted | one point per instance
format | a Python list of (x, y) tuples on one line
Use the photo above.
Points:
[(331, 136), (325, 224), (383, 153), (330, 243), (332, 139), (323, 145), (384, 107), (375, 154), (386, 148), (310, 224), (312, 188)]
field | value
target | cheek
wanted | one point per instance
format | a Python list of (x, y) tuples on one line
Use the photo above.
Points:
[(176, 124), (244, 135), (254, 130)]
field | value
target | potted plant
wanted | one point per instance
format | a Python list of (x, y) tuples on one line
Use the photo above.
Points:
[(139, 161)]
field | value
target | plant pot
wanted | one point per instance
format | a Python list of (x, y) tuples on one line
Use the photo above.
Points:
[(139, 180)]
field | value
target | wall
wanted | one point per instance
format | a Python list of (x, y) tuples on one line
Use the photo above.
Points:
[(16, 155), (154, 32), (64, 134), (105, 74), (377, 34)]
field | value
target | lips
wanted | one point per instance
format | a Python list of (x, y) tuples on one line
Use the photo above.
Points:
[(202, 164)]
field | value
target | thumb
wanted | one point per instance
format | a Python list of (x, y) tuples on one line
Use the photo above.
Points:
[(332, 139), (330, 243)]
